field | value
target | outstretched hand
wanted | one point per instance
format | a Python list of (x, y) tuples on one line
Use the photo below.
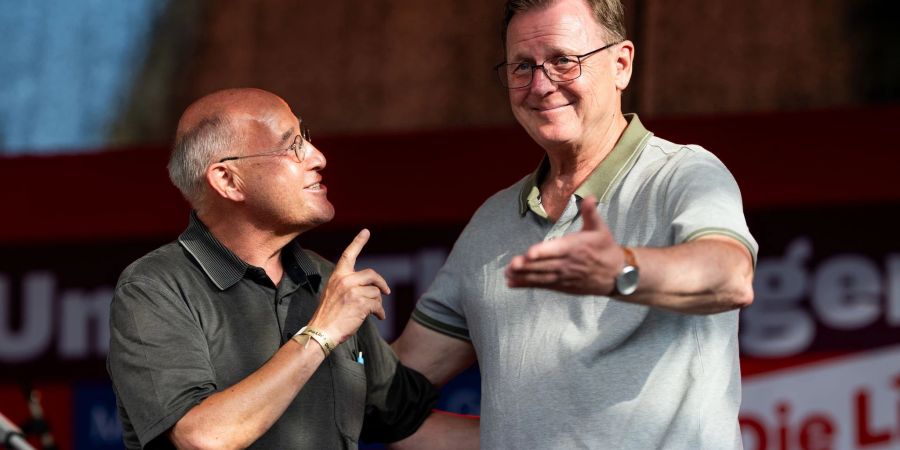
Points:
[(585, 262), (350, 296)]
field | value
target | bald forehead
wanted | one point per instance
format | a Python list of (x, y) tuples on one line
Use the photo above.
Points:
[(233, 104)]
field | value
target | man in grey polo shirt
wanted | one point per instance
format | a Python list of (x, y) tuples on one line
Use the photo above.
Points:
[(233, 335), (600, 293)]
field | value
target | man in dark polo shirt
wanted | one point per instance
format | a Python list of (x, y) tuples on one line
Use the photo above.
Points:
[(233, 335)]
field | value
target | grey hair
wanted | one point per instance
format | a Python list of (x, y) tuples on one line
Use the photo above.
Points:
[(194, 151), (609, 14)]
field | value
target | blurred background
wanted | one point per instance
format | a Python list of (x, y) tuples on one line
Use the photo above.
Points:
[(800, 100)]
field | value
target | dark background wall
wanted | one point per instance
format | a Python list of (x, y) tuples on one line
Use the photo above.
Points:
[(388, 65)]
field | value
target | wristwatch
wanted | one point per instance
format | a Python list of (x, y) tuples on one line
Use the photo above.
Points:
[(627, 280)]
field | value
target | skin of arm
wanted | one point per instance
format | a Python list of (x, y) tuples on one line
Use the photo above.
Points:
[(237, 416), (437, 356), (711, 274), (443, 431)]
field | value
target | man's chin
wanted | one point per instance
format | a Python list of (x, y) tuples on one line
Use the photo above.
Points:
[(322, 216), (328, 216), (314, 218), (551, 136)]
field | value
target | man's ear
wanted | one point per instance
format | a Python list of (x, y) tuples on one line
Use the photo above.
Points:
[(624, 61), (225, 182)]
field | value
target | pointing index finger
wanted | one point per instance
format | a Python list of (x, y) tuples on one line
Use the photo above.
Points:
[(348, 258)]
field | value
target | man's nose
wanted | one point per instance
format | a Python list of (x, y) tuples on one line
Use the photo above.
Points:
[(316, 158), (540, 81)]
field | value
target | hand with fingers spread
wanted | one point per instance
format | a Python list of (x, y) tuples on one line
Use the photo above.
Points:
[(586, 262), (350, 296)]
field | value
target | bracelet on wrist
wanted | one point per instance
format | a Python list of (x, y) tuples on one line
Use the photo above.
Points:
[(306, 333)]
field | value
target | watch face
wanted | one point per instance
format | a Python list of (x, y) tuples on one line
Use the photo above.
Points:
[(627, 281)]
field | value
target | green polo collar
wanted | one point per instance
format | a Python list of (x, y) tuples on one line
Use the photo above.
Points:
[(619, 160), (225, 268)]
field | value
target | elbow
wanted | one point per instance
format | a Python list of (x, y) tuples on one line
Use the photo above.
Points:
[(726, 300), (743, 297), (741, 292), (197, 439), (740, 286), (188, 440), (735, 275)]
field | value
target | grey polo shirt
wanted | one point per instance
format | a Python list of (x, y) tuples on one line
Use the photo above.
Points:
[(562, 371), (191, 318)]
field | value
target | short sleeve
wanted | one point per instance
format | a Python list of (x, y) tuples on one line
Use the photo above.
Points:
[(158, 357), (441, 308), (703, 199)]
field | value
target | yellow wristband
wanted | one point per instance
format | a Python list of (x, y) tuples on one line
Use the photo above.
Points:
[(300, 338), (305, 334)]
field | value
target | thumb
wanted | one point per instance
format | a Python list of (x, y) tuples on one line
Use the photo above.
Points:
[(348, 258), (589, 216)]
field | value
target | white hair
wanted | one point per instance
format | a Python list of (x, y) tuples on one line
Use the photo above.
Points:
[(194, 151)]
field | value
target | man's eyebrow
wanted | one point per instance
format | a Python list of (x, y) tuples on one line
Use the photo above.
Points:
[(521, 58), (287, 135), (553, 51)]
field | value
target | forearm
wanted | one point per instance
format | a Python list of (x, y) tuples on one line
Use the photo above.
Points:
[(240, 414), (706, 276), (443, 430)]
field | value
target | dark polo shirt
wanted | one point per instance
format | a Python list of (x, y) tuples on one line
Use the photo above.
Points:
[(191, 318)]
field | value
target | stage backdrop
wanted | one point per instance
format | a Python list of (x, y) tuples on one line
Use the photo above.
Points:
[(820, 344)]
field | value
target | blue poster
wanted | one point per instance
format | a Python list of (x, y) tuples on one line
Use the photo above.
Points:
[(97, 425)]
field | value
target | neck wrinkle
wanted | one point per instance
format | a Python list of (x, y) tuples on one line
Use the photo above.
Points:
[(570, 167)]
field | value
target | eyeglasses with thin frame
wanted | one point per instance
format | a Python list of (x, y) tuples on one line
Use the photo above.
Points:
[(300, 151), (561, 68)]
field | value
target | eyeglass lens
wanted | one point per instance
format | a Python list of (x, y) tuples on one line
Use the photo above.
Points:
[(563, 68), (300, 150)]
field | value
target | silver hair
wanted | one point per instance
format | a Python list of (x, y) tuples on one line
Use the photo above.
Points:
[(609, 14), (194, 151)]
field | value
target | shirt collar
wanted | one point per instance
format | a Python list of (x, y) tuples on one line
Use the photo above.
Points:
[(224, 268), (601, 179)]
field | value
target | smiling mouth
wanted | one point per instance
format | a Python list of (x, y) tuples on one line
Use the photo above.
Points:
[(550, 108), (314, 187)]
